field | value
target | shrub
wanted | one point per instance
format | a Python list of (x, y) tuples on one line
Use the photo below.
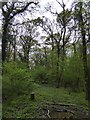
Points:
[(40, 74), (73, 73), (15, 80)]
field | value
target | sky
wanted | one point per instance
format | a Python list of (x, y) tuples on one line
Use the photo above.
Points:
[(54, 4), (43, 2), (42, 12)]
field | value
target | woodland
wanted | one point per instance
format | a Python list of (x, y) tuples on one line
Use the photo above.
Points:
[(45, 59)]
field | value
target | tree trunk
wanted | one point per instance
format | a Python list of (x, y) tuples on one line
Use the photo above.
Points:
[(58, 67), (45, 52), (86, 74), (74, 48), (4, 41), (64, 43), (14, 56), (27, 58)]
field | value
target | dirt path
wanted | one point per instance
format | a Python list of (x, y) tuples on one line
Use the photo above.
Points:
[(63, 111)]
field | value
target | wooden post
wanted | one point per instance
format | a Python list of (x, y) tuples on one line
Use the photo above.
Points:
[(32, 96)]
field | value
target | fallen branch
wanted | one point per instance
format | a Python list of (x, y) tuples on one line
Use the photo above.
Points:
[(48, 114)]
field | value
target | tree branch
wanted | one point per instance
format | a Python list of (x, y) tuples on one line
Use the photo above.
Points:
[(22, 10)]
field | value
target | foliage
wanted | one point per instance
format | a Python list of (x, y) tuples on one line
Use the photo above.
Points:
[(15, 80), (73, 73), (64, 17), (40, 74)]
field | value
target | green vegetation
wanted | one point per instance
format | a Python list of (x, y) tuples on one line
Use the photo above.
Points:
[(22, 106), (16, 80), (19, 83)]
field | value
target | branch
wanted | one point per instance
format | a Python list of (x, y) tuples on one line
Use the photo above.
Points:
[(22, 10), (62, 5), (59, 3), (64, 44), (49, 9)]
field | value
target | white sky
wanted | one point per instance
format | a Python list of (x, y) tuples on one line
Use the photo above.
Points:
[(54, 2), (43, 2), (55, 6)]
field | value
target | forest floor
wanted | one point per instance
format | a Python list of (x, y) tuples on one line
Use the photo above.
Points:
[(46, 99)]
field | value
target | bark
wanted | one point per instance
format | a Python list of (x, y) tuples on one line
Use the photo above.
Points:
[(45, 52), (58, 66), (14, 56), (4, 41), (64, 42), (26, 54), (74, 48)]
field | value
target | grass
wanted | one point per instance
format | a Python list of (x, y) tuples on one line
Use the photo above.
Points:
[(23, 107), (61, 96)]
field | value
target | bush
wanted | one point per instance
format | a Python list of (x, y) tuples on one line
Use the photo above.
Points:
[(15, 80), (40, 74), (73, 73)]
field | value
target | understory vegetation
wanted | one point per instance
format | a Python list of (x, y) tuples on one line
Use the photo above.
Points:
[(19, 83)]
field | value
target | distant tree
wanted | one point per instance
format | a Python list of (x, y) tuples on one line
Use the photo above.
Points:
[(27, 39), (58, 34), (63, 20)]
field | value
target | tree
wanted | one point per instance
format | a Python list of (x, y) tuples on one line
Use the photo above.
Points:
[(82, 23), (58, 32), (28, 39), (9, 11), (63, 20)]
